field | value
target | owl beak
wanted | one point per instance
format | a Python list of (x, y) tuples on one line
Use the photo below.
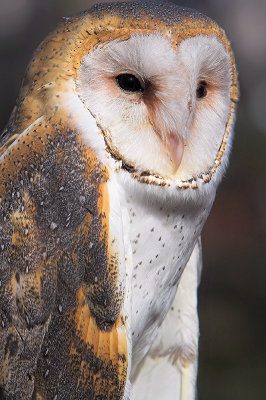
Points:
[(175, 146)]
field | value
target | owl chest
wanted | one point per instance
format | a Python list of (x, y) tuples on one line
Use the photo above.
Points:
[(161, 240)]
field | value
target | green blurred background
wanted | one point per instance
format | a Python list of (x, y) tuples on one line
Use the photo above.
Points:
[(232, 364)]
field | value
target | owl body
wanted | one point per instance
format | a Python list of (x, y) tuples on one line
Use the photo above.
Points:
[(162, 235), (109, 168)]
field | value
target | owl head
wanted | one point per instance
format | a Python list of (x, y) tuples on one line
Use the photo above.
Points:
[(150, 84)]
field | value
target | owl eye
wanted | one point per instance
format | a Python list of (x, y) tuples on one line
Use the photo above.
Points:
[(202, 89), (129, 83)]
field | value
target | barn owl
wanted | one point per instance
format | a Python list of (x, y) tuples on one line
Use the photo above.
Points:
[(109, 167)]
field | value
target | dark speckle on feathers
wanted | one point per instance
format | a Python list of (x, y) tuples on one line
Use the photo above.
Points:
[(11, 345), (165, 11)]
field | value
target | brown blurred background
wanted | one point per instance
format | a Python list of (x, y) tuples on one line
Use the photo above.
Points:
[(232, 305)]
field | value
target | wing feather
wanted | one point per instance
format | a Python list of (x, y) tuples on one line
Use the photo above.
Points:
[(62, 330)]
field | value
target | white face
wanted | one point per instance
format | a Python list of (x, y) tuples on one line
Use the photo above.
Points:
[(162, 110)]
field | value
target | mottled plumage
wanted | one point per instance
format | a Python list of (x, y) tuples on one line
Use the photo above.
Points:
[(103, 195)]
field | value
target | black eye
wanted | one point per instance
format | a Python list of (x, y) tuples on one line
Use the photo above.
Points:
[(129, 83), (202, 89)]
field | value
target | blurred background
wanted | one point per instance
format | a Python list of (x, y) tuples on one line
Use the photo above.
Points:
[(232, 363)]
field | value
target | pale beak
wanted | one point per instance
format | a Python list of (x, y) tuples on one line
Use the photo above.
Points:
[(175, 146)]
